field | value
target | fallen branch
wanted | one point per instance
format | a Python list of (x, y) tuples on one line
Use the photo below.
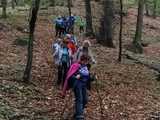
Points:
[(146, 61)]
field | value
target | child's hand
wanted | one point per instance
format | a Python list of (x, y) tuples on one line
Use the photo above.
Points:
[(78, 76)]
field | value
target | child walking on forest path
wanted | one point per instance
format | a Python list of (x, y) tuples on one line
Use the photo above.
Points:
[(85, 50), (62, 57), (77, 78)]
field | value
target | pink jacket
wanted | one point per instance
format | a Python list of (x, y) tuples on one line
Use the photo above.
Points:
[(74, 67)]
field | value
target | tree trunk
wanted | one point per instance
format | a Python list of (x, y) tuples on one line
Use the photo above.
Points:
[(106, 29), (52, 3), (69, 7), (71, 3), (13, 4), (27, 72), (120, 32), (138, 35), (154, 8), (89, 28), (4, 7), (146, 8)]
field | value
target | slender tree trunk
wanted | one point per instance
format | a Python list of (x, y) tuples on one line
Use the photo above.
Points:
[(27, 72), (13, 4), (89, 27), (106, 24), (4, 7), (138, 35), (16, 2), (71, 3), (52, 3), (146, 8), (155, 8), (120, 32), (69, 7)]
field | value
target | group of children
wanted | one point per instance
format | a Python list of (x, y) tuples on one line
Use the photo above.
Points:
[(74, 64), (66, 24)]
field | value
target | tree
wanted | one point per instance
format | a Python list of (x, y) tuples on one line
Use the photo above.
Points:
[(4, 7), (154, 8), (138, 35), (35, 8), (120, 32), (106, 30), (13, 2), (52, 2), (147, 8), (69, 7), (89, 28), (71, 3)]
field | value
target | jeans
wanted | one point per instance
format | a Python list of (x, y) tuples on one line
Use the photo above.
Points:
[(81, 100)]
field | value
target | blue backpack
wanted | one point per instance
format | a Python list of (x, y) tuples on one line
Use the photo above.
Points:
[(65, 56)]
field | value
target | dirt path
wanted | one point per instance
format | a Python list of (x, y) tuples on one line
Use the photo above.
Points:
[(127, 90)]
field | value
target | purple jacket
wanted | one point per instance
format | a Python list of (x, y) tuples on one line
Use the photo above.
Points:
[(74, 67)]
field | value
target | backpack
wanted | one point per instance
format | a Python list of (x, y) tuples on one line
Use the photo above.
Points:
[(65, 55), (59, 23)]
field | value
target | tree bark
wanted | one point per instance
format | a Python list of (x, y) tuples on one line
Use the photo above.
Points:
[(4, 7), (89, 27), (35, 8), (13, 4), (147, 8), (154, 8), (120, 32), (106, 30), (52, 3), (69, 7), (138, 35)]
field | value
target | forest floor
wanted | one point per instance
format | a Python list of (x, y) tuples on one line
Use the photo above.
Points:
[(124, 91)]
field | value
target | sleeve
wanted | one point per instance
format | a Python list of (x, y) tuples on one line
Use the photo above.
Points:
[(56, 50)]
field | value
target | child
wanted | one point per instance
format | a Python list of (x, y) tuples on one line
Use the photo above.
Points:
[(71, 45), (77, 78), (85, 50), (82, 25), (56, 48), (59, 26), (64, 62)]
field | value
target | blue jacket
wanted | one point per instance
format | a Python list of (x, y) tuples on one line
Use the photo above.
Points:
[(59, 22), (71, 20)]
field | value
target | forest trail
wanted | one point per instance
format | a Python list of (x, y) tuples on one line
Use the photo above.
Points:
[(125, 90)]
